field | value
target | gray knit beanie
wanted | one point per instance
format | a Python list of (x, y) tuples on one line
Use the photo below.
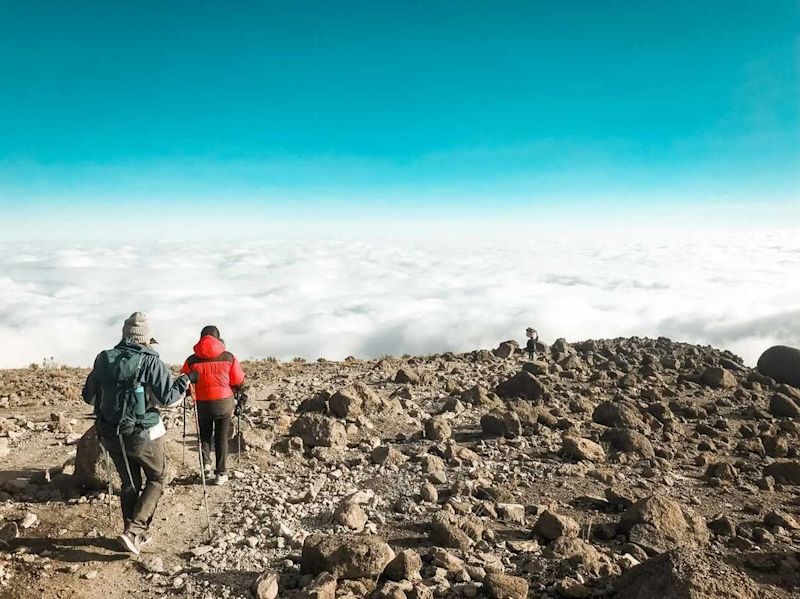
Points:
[(137, 328)]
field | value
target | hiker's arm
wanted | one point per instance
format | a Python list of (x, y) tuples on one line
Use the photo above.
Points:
[(236, 374), (89, 392), (167, 390)]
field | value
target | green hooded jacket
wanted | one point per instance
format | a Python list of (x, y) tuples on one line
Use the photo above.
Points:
[(161, 388)]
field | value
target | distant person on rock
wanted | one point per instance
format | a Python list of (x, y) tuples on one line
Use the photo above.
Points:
[(530, 346), (126, 387), (219, 382)]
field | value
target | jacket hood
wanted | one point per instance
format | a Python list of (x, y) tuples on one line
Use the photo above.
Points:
[(209, 347), (131, 344)]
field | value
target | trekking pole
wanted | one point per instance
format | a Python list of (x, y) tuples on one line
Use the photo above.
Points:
[(110, 486), (239, 440), (202, 470), (183, 459)]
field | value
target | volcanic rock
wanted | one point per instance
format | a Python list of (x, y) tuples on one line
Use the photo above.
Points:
[(524, 385), (437, 429), (503, 586), (444, 534), (406, 377), (351, 401), (781, 363), (405, 566), (784, 406), (617, 415), (346, 556), (787, 472), (350, 515), (718, 378), (551, 526), (265, 586), (582, 449), (659, 524), (684, 574), (501, 423), (90, 467), (317, 430), (506, 349), (629, 441)]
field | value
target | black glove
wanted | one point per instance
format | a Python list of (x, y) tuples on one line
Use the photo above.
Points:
[(193, 376), (241, 401)]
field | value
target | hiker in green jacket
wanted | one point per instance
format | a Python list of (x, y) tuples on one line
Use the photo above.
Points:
[(126, 387)]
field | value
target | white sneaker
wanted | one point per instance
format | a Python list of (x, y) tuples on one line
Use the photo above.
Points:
[(220, 479)]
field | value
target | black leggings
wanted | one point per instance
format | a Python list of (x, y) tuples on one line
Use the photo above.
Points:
[(217, 426)]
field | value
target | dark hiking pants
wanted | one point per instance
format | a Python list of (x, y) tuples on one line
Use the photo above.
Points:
[(215, 424), (142, 489)]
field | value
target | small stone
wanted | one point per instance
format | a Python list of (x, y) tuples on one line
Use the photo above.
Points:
[(265, 586), (437, 429), (551, 526), (503, 586), (350, 515), (29, 520), (428, 493), (405, 566)]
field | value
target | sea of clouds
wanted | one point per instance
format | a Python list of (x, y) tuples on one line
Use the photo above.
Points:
[(734, 290)]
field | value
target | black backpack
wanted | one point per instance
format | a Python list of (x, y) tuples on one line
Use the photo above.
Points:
[(119, 407)]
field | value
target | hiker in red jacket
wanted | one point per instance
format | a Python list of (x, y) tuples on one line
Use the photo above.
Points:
[(219, 378)]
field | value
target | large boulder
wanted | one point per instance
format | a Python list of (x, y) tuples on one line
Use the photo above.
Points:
[(506, 349), (784, 406), (617, 415), (352, 401), (350, 515), (504, 586), (551, 526), (787, 472), (405, 376), (684, 574), (317, 430), (782, 363), (582, 449), (446, 534), (625, 440), (437, 429), (501, 423), (345, 556), (658, 524), (718, 378), (476, 395), (405, 566), (90, 464), (524, 385), (578, 552)]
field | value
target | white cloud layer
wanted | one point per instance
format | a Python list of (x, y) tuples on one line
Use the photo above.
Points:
[(332, 299)]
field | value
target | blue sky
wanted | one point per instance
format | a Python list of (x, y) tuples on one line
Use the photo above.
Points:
[(263, 111)]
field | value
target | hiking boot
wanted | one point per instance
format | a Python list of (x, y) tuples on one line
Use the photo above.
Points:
[(220, 480), (208, 470), (132, 543)]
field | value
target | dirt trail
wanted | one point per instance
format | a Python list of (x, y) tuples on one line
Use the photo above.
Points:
[(79, 539)]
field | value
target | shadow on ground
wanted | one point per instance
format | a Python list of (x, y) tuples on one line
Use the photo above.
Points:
[(74, 549)]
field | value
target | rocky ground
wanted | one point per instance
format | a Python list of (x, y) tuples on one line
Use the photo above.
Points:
[(629, 468)]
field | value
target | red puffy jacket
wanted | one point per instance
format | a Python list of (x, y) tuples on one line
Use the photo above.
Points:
[(219, 370)]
